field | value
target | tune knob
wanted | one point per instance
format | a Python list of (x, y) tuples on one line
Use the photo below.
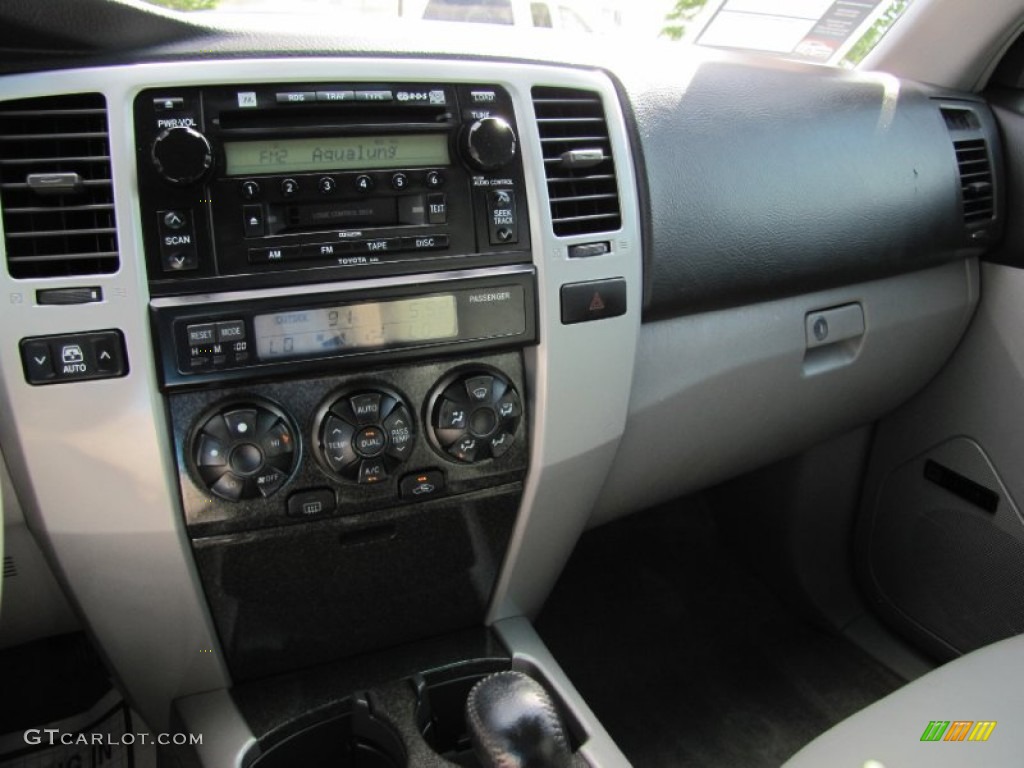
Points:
[(489, 143), (182, 155)]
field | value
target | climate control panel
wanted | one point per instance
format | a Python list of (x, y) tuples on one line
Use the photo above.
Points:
[(475, 416), (281, 452), (244, 450), (366, 435)]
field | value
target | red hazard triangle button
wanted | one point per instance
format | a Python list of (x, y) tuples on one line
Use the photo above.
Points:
[(593, 300)]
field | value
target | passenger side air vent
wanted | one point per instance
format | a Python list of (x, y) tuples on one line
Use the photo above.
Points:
[(56, 194), (974, 165), (577, 161), (975, 180)]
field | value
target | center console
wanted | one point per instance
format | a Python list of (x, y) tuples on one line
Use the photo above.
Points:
[(342, 281), (353, 388)]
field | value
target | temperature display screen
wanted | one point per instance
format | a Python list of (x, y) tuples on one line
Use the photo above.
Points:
[(321, 331), (340, 153)]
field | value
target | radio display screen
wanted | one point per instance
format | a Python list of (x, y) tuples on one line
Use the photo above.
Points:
[(339, 153), (321, 331)]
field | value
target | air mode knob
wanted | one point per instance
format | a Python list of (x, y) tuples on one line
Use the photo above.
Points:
[(489, 143), (475, 416), (182, 155)]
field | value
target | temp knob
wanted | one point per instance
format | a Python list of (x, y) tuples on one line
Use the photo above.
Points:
[(182, 155), (489, 143)]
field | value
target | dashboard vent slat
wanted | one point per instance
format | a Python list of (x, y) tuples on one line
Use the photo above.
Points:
[(975, 180), (65, 232), (584, 200)]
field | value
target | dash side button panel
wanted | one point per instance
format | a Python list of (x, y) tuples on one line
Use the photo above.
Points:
[(73, 357), (593, 300)]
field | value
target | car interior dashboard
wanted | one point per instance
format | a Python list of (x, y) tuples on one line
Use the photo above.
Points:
[(319, 354)]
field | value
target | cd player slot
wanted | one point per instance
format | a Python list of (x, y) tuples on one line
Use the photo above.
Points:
[(407, 210), (335, 118), (374, 211)]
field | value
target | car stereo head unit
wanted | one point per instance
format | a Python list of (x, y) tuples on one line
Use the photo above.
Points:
[(296, 183)]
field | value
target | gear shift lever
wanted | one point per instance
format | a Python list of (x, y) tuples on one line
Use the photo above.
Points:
[(513, 724)]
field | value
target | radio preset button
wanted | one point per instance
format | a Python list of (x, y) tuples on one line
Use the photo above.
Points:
[(289, 188), (365, 182), (252, 220), (327, 185), (250, 190), (434, 179), (437, 208), (399, 181), (296, 97)]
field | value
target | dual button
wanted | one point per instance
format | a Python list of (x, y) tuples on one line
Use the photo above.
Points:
[(365, 436)]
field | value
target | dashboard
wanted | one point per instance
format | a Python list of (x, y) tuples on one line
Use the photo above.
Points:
[(343, 351)]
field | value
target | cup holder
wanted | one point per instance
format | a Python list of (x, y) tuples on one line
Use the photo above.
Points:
[(443, 718), (352, 740), (408, 723)]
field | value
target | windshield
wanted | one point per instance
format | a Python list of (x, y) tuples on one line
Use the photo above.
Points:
[(837, 32)]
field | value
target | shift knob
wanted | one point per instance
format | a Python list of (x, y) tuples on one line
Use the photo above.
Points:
[(513, 724)]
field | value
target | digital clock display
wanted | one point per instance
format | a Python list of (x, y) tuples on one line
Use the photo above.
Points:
[(340, 153), (321, 331)]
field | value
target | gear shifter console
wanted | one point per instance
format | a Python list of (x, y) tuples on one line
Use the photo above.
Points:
[(513, 724)]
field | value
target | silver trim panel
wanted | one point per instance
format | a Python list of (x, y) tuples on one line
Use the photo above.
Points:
[(93, 461)]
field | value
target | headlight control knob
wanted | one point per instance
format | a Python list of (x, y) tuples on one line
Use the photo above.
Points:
[(365, 434), (245, 450), (475, 416)]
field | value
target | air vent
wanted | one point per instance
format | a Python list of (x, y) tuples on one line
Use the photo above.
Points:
[(56, 194), (975, 180), (960, 119), (10, 570), (577, 161)]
